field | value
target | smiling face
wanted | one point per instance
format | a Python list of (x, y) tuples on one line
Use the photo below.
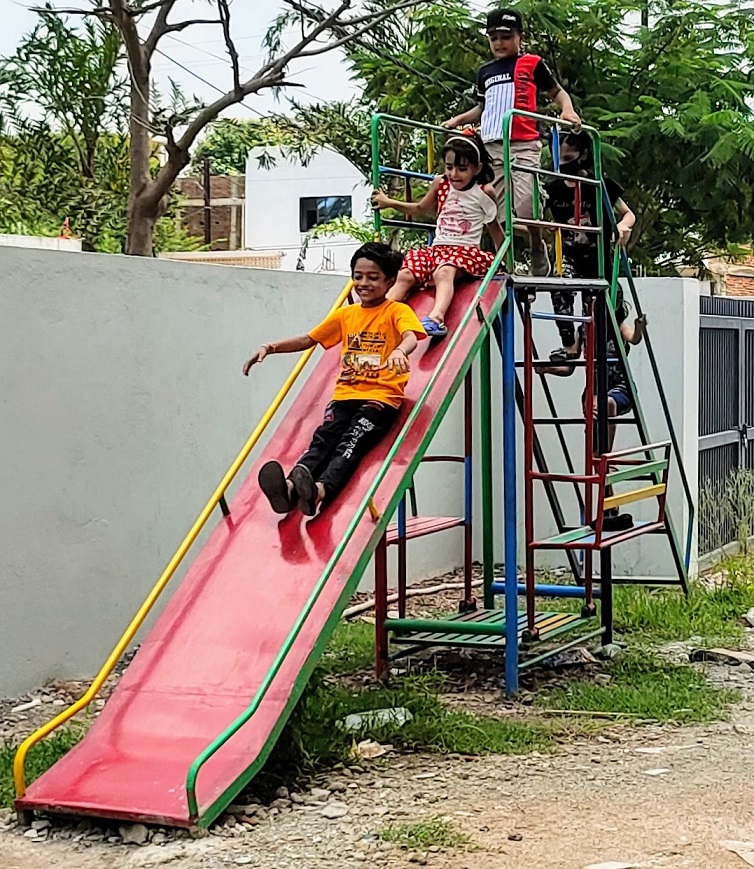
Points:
[(459, 172), (370, 283), (505, 43)]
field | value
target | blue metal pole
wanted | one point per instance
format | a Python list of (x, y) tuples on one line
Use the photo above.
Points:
[(561, 591), (509, 493)]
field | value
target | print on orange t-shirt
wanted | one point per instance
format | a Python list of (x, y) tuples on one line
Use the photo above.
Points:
[(368, 337)]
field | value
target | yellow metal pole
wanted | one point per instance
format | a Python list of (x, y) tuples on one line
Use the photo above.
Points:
[(19, 762), (430, 152), (559, 252)]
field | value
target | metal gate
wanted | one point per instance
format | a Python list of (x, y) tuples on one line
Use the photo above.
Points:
[(726, 406)]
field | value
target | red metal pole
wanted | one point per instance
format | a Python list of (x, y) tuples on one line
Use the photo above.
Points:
[(528, 469), (589, 447)]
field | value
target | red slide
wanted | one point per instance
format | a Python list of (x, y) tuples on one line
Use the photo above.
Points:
[(217, 638)]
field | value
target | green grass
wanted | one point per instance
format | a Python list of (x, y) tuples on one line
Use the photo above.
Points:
[(314, 742), (435, 831), (40, 758), (351, 648), (712, 615), (644, 686)]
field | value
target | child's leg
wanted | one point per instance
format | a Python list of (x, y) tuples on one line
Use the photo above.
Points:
[(338, 415), (563, 303), (529, 154), (444, 279), (405, 282), (368, 425)]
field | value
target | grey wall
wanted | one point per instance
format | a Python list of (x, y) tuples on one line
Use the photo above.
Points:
[(123, 405)]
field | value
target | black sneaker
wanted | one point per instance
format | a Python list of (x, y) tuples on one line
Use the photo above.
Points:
[(617, 522), (274, 485), (306, 489)]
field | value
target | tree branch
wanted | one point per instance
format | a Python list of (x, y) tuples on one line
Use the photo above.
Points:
[(222, 8), (97, 12), (351, 37), (159, 28)]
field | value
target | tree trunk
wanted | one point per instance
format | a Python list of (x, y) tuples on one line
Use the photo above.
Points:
[(140, 219)]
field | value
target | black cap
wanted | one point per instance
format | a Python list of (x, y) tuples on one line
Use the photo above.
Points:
[(504, 19)]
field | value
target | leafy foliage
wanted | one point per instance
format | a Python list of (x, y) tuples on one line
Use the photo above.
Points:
[(672, 101), (64, 147)]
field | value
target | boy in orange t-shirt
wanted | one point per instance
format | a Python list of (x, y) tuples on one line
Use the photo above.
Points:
[(376, 340)]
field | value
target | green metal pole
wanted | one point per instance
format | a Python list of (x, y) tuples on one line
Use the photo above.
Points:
[(375, 137), (507, 123), (488, 518)]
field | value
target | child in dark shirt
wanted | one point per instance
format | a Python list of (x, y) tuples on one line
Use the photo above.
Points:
[(580, 248)]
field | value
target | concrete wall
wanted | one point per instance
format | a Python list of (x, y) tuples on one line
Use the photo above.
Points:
[(123, 404), (672, 308)]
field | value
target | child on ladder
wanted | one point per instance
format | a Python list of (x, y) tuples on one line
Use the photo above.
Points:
[(464, 202), (580, 248), (376, 338), (619, 400), (515, 79)]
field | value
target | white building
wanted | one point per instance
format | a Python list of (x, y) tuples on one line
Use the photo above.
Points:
[(286, 200)]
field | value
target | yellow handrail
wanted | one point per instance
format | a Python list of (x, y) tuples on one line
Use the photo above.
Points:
[(19, 762)]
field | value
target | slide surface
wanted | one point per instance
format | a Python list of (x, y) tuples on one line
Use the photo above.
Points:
[(202, 662)]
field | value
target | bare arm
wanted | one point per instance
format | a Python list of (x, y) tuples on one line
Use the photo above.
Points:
[(426, 205), (287, 345), (563, 101), (398, 359), (626, 221), (473, 116), (633, 335), (493, 227)]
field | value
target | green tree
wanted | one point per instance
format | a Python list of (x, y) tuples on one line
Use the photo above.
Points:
[(672, 101), (143, 24)]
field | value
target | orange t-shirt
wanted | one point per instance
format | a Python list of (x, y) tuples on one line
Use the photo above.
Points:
[(368, 336)]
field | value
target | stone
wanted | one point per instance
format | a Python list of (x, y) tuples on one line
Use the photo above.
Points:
[(40, 825), (31, 834), (282, 793), (319, 794), (134, 834), (333, 811), (515, 837), (159, 838), (244, 860)]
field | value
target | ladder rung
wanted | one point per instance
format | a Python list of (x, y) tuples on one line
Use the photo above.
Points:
[(637, 495), (408, 224), (565, 318), (637, 472), (550, 285), (405, 173), (548, 173), (550, 224)]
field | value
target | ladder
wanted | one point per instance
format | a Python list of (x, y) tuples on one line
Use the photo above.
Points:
[(527, 636)]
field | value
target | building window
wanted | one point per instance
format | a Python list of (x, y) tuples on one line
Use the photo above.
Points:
[(314, 210)]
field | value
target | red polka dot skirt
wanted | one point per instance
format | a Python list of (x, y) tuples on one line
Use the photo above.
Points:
[(423, 262)]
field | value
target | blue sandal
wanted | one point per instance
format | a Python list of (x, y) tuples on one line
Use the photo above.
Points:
[(433, 328)]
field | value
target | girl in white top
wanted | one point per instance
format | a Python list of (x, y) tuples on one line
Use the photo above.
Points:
[(464, 201)]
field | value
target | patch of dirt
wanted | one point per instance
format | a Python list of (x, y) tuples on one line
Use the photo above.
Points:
[(659, 797)]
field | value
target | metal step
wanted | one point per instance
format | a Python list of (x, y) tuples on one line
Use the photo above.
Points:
[(556, 284)]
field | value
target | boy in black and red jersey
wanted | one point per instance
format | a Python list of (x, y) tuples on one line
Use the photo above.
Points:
[(513, 80)]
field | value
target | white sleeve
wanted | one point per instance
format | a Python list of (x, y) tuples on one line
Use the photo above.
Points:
[(489, 207)]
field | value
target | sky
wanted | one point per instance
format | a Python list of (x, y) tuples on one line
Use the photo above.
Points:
[(201, 49)]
